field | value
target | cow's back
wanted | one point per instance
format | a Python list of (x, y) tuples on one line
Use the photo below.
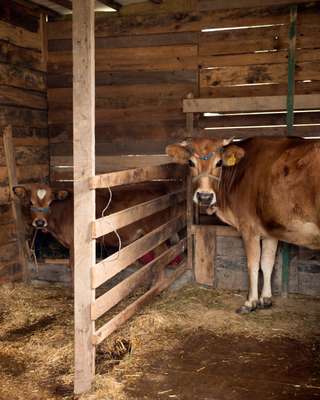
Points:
[(275, 189)]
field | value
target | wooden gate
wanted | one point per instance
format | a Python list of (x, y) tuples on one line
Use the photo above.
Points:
[(106, 269)]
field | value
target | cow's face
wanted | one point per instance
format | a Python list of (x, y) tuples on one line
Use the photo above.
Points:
[(39, 198), (206, 158)]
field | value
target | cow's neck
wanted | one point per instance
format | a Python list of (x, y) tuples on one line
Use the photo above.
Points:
[(224, 204), (227, 216)]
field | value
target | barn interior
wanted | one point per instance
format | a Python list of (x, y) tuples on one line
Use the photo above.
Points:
[(151, 58)]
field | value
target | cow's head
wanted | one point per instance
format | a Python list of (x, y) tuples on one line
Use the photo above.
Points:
[(206, 158), (39, 198)]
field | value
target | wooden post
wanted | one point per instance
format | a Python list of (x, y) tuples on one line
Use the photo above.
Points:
[(190, 118), (190, 222), (290, 128), (44, 40), (16, 208), (190, 133), (205, 252), (84, 198)]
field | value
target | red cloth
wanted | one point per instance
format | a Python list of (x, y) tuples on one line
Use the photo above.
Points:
[(148, 257), (177, 260)]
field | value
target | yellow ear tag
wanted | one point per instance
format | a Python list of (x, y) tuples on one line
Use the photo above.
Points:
[(231, 160)]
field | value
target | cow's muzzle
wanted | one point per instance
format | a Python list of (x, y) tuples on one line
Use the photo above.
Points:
[(205, 198), (40, 223)]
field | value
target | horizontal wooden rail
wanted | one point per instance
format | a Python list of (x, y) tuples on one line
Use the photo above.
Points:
[(115, 263), (105, 225), (133, 308), (123, 289), (248, 104), (166, 171), (220, 230)]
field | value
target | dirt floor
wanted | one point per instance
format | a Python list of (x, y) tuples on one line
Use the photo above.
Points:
[(186, 345)]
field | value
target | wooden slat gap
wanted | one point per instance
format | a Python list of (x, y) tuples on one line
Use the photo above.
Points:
[(109, 299), (133, 308), (105, 225), (165, 171), (112, 265)]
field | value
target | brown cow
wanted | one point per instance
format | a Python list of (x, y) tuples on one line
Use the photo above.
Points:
[(267, 188), (52, 211)]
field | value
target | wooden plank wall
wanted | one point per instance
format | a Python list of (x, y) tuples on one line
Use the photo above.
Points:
[(146, 64), (23, 104), (250, 59), (143, 71)]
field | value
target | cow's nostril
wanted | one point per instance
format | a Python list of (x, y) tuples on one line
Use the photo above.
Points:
[(40, 223), (204, 197)]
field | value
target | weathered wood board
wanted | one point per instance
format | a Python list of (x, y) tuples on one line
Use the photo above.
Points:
[(23, 105)]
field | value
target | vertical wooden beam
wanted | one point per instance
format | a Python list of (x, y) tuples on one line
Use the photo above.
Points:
[(205, 252), (44, 40), (190, 133), (290, 128), (189, 118), (16, 208), (190, 242), (84, 198), (291, 68)]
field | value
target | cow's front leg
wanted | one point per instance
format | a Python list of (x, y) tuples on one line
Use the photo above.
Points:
[(253, 252), (269, 250)]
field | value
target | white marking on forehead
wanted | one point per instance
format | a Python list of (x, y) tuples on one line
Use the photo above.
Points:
[(41, 193)]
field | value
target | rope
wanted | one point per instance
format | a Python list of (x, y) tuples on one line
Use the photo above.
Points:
[(33, 252), (113, 228)]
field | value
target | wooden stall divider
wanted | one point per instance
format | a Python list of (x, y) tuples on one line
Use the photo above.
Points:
[(138, 175), (105, 225), (16, 206), (107, 268), (120, 291), (84, 198)]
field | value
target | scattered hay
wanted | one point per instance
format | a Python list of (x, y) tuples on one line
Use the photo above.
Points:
[(36, 336)]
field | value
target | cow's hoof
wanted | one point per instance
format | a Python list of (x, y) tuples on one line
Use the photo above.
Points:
[(244, 310), (265, 302)]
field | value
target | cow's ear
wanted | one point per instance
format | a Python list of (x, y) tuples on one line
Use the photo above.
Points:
[(61, 194), (179, 152), (232, 155), (226, 142), (21, 192)]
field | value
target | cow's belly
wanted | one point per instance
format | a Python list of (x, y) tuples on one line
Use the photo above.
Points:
[(300, 233)]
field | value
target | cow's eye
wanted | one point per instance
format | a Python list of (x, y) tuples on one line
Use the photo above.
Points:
[(219, 163), (191, 163)]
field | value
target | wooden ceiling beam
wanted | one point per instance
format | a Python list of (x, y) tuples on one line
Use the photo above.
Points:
[(111, 3), (63, 3), (156, 1), (37, 8)]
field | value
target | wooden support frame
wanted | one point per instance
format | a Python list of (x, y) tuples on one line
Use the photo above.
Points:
[(120, 291), (112, 3), (247, 104), (138, 175), (190, 212), (205, 251), (63, 3), (133, 308), (106, 269), (16, 206), (105, 225), (112, 265), (290, 130), (84, 198)]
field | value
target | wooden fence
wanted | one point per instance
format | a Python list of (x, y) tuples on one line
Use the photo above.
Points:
[(106, 269)]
